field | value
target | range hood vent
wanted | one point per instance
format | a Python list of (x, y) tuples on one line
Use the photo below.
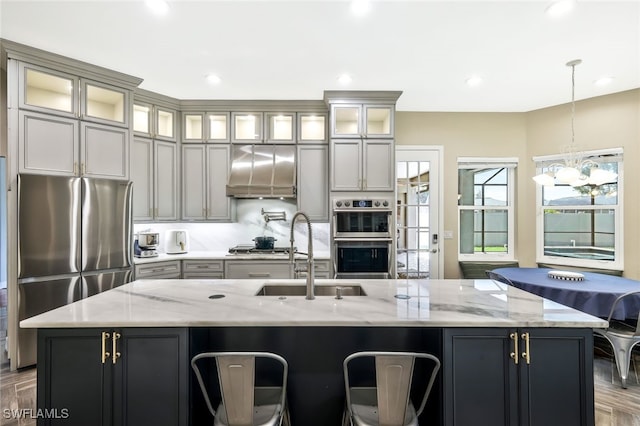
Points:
[(262, 171)]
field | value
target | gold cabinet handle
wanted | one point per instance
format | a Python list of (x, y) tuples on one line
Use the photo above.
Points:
[(526, 354), (514, 354), (84, 169), (116, 354), (105, 354), (75, 167)]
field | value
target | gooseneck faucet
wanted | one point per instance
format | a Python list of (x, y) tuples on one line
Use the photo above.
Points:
[(310, 269)]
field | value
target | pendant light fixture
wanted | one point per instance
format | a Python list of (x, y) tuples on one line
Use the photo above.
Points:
[(575, 170)]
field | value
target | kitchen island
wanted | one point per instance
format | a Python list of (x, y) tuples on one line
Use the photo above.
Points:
[(509, 357)]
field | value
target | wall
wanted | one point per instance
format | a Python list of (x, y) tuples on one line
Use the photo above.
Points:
[(249, 224), (461, 135), (603, 122)]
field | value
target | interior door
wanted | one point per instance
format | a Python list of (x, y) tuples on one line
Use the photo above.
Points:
[(419, 235)]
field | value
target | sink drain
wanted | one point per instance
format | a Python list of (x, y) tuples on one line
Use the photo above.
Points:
[(216, 296)]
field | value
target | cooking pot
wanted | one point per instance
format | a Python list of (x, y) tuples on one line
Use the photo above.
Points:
[(148, 240), (264, 243)]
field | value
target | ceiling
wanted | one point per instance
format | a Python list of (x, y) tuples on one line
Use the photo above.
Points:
[(297, 49)]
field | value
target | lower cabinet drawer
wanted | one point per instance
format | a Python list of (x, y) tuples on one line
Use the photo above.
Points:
[(189, 266), (252, 269), (203, 275), (169, 269), (321, 269)]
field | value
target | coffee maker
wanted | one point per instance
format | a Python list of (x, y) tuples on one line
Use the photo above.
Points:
[(145, 244)]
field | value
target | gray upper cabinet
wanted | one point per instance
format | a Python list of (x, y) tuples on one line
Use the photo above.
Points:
[(68, 124), (53, 92), (263, 127), (193, 127), (313, 182), (247, 127), (281, 127), (154, 157), (217, 129), (154, 121), (155, 179), (205, 172), (312, 127), (362, 121), (362, 165)]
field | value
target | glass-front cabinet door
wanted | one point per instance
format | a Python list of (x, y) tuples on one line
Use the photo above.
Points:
[(104, 104), (165, 123), (378, 120), (312, 127), (246, 126), (192, 125), (281, 127), (218, 127), (142, 119), (48, 91), (345, 121)]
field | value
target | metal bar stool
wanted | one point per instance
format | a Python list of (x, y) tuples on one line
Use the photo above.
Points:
[(243, 403), (388, 403)]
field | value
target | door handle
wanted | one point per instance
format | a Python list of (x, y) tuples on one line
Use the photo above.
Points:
[(114, 347), (526, 354), (105, 354), (514, 355), (434, 250)]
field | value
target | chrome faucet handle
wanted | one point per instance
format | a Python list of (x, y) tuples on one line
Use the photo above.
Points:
[(338, 292)]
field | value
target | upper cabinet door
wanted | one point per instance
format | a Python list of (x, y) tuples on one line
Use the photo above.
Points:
[(104, 104), (346, 121), (165, 123), (281, 127), (246, 127), (312, 127), (378, 121), (193, 127), (218, 130), (48, 91), (142, 115)]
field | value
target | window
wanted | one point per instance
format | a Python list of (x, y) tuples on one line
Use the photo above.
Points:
[(485, 208), (581, 225)]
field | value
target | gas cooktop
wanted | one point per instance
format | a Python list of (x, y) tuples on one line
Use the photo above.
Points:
[(250, 249)]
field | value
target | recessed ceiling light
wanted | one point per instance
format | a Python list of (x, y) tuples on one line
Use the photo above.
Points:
[(473, 81), (344, 79), (159, 7), (603, 81), (560, 8), (360, 7), (213, 79)]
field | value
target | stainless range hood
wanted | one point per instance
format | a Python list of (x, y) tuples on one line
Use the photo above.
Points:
[(262, 171)]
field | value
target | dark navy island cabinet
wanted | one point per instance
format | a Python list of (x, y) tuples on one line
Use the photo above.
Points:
[(80, 384), (518, 376)]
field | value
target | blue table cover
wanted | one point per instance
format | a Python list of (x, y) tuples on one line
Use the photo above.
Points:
[(595, 295)]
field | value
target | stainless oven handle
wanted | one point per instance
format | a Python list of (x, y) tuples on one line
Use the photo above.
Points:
[(363, 209), (363, 239)]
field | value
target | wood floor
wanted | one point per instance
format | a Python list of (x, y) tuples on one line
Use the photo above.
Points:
[(614, 406)]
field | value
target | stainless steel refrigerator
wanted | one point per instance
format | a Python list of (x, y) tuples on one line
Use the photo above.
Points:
[(74, 241)]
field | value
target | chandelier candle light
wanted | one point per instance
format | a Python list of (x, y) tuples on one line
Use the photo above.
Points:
[(575, 170)]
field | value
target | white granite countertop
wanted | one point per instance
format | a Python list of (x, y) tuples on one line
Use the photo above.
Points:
[(224, 255), (432, 303)]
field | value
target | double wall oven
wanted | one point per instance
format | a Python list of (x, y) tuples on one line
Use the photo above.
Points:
[(362, 242)]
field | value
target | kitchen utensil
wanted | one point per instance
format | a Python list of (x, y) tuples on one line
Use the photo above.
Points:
[(176, 241), (264, 243)]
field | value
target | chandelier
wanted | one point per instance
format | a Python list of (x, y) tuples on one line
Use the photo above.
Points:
[(574, 170)]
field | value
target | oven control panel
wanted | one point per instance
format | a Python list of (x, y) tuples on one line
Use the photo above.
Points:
[(361, 204)]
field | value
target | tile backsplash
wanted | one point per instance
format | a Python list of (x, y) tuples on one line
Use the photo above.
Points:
[(249, 224)]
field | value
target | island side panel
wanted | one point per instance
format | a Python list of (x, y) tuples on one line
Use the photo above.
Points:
[(316, 392)]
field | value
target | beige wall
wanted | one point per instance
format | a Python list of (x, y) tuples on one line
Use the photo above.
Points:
[(603, 122)]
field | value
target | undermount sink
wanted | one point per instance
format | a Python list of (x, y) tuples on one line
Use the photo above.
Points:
[(301, 290)]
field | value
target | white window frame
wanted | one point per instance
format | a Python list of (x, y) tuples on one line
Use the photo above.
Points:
[(618, 263), (511, 164)]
